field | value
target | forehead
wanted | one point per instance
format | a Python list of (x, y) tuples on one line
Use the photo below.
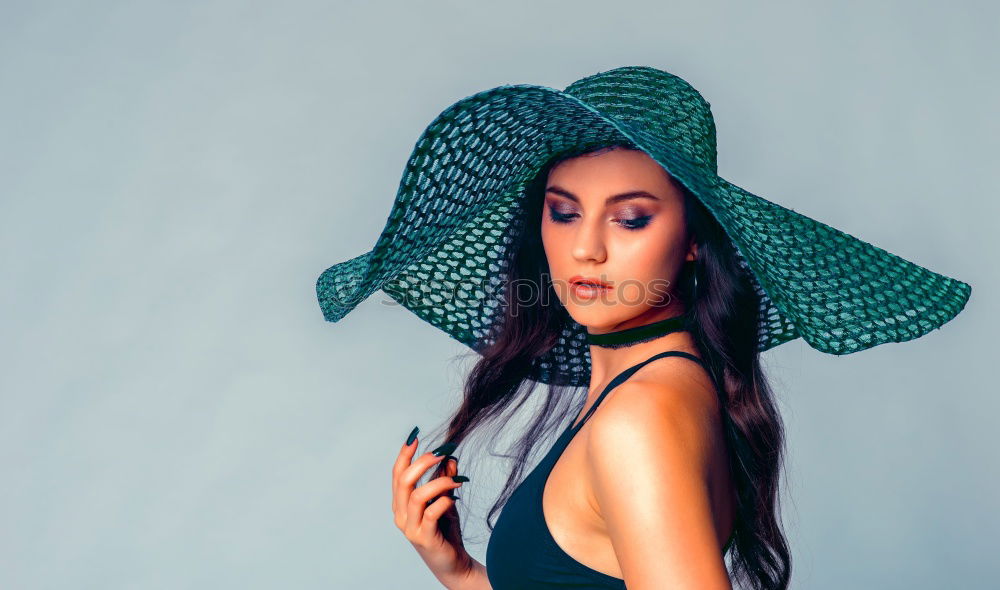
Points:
[(595, 175)]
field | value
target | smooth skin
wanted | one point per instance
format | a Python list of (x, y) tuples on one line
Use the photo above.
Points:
[(418, 521), (642, 492)]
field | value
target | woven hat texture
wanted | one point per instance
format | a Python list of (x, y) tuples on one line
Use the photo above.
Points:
[(455, 213)]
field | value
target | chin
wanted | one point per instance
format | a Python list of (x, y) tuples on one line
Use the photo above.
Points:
[(597, 315)]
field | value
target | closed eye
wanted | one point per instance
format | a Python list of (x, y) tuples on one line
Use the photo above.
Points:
[(633, 223), (558, 217)]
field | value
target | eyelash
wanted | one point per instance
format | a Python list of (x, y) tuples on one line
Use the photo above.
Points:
[(630, 224)]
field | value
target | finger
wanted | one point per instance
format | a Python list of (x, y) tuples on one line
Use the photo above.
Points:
[(452, 466), (433, 513), (421, 496), (416, 470), (411, 474), (407, 480), (403, 461), (405, 456)]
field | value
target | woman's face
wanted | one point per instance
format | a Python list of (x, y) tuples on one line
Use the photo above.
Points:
[(617, 217)]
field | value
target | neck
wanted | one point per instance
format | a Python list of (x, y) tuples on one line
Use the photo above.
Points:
[(637, 334), (606, 362)]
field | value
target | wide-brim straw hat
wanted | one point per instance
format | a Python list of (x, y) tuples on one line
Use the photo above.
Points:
[(442, 250)]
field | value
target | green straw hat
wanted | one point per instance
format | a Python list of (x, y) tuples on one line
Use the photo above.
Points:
[(460, 197)]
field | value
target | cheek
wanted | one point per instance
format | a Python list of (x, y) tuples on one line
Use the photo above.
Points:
[(647, 265), (647, 253), (551, 244)]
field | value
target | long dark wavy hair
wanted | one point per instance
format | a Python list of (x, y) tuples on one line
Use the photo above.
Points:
[(725, 308)]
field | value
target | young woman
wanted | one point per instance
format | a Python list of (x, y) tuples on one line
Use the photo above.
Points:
[(625, 265), (656, 452)]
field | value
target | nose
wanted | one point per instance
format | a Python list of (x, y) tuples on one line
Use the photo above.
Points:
[(588, 243)]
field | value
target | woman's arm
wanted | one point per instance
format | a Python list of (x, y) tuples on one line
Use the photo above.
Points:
[(648, 455), (475, 579)]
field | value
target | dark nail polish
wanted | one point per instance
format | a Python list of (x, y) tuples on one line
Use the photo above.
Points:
[(413, 435), (445, 449), (459, 478), (452, 457)]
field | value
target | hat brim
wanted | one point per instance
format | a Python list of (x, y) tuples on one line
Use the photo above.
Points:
[(450, 225)]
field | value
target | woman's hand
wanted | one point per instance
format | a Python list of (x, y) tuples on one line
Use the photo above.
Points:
[(417, 511)]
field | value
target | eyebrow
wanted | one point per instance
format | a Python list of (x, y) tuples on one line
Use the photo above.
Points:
[(610, 200)]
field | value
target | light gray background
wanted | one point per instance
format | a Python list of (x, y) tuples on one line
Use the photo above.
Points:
[(175, 413)]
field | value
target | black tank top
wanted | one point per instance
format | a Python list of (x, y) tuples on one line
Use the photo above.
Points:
[(521, 553)]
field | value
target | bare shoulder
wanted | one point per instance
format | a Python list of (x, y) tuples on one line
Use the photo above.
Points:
[(671, 407), (650, 456), (669, 387)]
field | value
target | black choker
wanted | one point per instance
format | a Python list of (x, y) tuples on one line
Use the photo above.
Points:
[(638, 334)]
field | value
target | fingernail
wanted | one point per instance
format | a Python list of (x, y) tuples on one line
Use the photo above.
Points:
[(451, 457), (445, 449), (413, 435), (459, 478)]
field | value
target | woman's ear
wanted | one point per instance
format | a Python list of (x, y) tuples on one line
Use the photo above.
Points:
[(692, 251)]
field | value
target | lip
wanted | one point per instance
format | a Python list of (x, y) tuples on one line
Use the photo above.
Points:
[(591, 282)]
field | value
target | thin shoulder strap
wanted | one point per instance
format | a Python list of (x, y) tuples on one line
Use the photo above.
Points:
[(624, 375)]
